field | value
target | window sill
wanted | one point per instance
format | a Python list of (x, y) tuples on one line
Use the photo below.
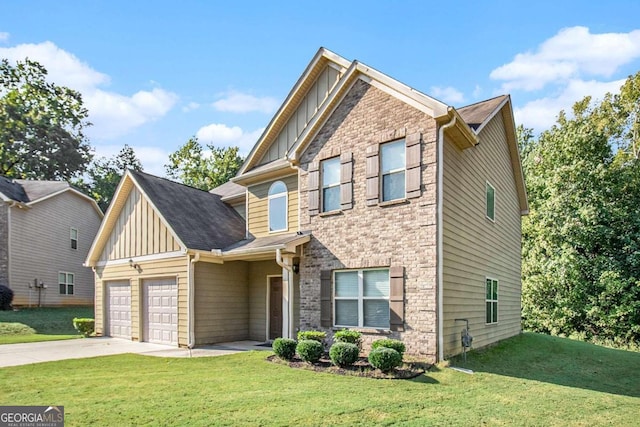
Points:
[(393, 202), (368, 331), (330, 213)]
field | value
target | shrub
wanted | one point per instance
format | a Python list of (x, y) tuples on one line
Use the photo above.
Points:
[(385, 358), (309, 350), (312, 335), (389, 343), (344, 353), (84, 326), (6, 298), (284, 348), (345, 335)]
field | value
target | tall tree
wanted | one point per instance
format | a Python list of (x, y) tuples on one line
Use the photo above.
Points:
[(105, 174), (581, 240), (41, 125), (195, 167)]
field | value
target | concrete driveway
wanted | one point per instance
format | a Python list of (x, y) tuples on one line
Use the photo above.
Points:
[(24, 354)]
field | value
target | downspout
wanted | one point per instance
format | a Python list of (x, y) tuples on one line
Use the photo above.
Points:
[(439, 228), (191, 298)]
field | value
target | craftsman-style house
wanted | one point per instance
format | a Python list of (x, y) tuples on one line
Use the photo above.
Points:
[(365, 204)]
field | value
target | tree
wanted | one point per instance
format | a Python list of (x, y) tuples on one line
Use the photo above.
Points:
[(581, 239), (192, 166), (105, 174), (41, 125)]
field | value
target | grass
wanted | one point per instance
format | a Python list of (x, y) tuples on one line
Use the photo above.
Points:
[(40, 324), (528, 380)]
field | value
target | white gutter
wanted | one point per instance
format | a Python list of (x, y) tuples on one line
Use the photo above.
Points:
[(190, 296), (439, 245)]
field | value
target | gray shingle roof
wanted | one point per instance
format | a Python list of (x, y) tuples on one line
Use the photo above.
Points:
[(475, 114), (25, 190), (200, 219), (12, 190)]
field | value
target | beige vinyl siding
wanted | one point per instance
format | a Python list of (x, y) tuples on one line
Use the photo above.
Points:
[(40, 245), (303, 114), (138, 231), (258, 282), (157, 269), (475, 247), (221, 302), (258, 206)]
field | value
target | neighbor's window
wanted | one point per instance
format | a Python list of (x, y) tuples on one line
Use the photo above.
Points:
[(361, 298), (277, 206), (392, 165), (491, 202), (331, 184), (492, 301), (74, 238), (65, 281)]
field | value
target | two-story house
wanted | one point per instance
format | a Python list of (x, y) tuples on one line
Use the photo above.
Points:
[(46, 229), (365, 204)]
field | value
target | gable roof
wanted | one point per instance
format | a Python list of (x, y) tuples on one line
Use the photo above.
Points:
[(475, 115), (199, 220), (29, 192), (229, 190)]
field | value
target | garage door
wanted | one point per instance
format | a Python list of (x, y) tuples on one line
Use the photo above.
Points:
[(160, 311), (118, 309)]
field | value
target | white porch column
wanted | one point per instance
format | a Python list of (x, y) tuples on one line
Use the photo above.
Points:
[(288, 328)]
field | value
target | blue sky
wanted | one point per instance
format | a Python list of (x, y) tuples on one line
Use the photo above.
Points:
[(153, 74)]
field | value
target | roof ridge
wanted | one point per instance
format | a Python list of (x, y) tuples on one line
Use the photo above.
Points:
[(168, 180), (481, 102)]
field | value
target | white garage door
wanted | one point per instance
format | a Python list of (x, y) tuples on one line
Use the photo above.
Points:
[(118, 309), (161, 311)]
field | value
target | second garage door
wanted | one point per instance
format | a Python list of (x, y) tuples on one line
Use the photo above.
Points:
[(160, 298)]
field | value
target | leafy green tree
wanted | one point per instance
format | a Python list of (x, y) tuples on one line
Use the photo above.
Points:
[(192, 166), (105, 173), (581, 240), (41, 125)]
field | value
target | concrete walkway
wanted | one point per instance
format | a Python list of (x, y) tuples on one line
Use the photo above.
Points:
[(26, 353)]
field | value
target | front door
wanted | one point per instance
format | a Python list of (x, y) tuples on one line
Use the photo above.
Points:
[(275, 307)]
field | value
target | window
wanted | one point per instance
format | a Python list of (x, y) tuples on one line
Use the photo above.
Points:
[(492, 301), (392, 164), (491, 202), (277, 206), (331, 184), (74, 238), (65, 281), (362, 298)]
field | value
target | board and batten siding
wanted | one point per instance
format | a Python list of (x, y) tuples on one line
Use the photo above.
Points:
[(308, 107), (476, 248), (138, 231), (258, 207), (40, 245), (259, 273), (176, 267)]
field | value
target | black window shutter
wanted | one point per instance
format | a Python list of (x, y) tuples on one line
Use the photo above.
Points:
[(325, 299), (372, 175), (346, 183), (414, 170), (396, 299), (313, 186)]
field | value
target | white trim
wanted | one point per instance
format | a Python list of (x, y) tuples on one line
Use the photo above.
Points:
[(497, 300), (486, 202), (322, 187), (286, 206), (66, 282), (143, 258), (393, 171), (360, 298), (71, 230)]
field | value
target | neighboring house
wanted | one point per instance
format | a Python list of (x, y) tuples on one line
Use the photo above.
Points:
[(46, 229), (365, 204)]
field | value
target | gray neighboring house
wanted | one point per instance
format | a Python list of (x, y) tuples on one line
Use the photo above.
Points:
[(46, 230)]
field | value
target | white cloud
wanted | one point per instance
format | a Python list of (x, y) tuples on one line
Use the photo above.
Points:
[(448, 94), (112, 114), (571, 54), (4, 36), (237, 102), (542, 113), (190, 107), (221, 135)]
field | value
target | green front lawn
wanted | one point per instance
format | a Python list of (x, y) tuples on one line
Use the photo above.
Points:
[(40, 324), (529, 380)]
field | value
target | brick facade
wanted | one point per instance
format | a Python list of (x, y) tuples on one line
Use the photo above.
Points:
[(397, 234), (4, 244)]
